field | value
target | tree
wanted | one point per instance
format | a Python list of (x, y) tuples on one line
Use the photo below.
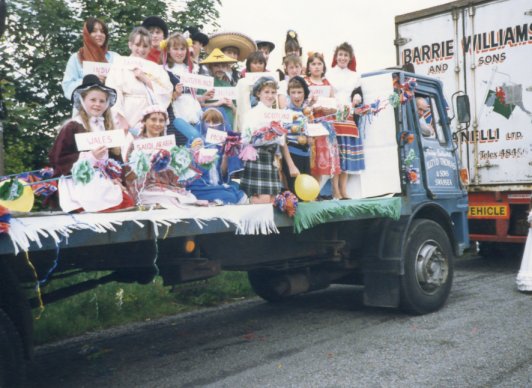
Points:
[(40, 37)]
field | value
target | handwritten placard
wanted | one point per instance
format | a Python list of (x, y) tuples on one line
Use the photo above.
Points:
[(197, 81), (153, 144), (285, 116), (253, 77), (101, 69), (225, 92), (316, 129), (87, 141), (320, 91), (326, 102), (131, 63), (215, 136)]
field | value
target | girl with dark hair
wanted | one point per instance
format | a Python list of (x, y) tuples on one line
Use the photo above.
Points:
[(95, 49)]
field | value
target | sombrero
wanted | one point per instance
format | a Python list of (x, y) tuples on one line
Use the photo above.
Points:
[(242, 42), (216, 56)]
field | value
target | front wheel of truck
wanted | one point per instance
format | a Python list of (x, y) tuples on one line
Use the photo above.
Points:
[(428, 263)]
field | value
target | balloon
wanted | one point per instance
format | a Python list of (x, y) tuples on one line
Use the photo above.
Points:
[(23, 203), (306, 187)]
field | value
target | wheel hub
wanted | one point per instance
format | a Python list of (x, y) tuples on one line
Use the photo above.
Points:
[(432, 267)]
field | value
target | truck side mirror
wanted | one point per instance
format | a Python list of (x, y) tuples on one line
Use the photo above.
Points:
[(463, 110)]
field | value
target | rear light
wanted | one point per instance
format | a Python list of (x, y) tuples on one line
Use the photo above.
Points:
[(464, 176), (190, 245)]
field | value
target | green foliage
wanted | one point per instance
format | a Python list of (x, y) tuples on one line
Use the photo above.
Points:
[(40, 37), (116, 304)]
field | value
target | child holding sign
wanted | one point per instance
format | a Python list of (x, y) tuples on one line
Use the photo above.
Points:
[(185, 110), (93, 102), (261, 181), (325, 159), (213, 139)]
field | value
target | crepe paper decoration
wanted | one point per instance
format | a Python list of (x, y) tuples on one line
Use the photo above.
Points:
[(139, 163), (205, 159), (82, 172), (409, 160), (287, 203), (268, 135), (160, 160), (412, 174), (189, 174), (180, 159), (248, 153), (406, 90), (310, 214), (11, 190), (45, 189), (111, 169), (233, 145), (394, 99), (5, 217)]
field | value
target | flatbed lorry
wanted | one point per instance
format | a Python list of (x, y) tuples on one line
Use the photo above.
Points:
[(397, 238)]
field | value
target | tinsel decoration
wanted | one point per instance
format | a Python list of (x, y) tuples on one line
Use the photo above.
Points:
[(287, 203), (82, 172), (160, 160), (11, 190)]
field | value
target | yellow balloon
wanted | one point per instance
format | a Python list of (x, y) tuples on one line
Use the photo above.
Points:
[(22, 204), (307, 188)]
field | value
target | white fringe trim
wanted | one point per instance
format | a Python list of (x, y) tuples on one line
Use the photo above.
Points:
[(248, 219)]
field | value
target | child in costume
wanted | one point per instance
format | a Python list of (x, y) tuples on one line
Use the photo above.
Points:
[(158, 31), (185, 110), (325, 159), (261, 137), (157, 187), (347, 90), (93, 102), (139, 83), (296, 152), (292, 67), (210, 186), (95, 49)]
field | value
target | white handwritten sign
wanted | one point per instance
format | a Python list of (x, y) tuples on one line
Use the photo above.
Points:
[(320, 91), (326, 102), (225, 92), (131, 63), (253, 77), (197, 81), (316, 129), (91, 140), (215, 136), (153, 144), (285, 116), (101, 69)]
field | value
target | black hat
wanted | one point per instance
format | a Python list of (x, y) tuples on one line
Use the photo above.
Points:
[(156, 21), (303, 83), (91, 81), (270, 45), (198, 36)]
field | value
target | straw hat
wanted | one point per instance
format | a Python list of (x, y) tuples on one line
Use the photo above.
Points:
[(242, 42), (216, 56)]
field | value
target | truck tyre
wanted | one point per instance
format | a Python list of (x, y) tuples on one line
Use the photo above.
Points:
[(269, 285), (11, 354), (428, 264)]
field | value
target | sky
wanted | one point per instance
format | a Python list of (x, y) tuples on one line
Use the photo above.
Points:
[(321, 26)]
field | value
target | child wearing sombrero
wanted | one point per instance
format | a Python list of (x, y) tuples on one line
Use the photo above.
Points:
[(93, 101)]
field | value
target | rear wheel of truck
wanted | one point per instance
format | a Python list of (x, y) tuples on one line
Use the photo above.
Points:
[(428, 260), (11, 354), (269, 285)]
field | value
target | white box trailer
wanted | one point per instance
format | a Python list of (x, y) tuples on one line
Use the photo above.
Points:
[(483, 48)]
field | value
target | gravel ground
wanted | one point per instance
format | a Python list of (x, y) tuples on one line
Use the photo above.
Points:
[(481, 338)]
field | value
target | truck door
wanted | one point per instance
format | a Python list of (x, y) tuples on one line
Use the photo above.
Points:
[(441, 169)]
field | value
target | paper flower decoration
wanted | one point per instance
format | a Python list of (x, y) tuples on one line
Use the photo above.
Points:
[(160, 160), (82, 172), (11, 190), (139, 163), (180, 159)]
